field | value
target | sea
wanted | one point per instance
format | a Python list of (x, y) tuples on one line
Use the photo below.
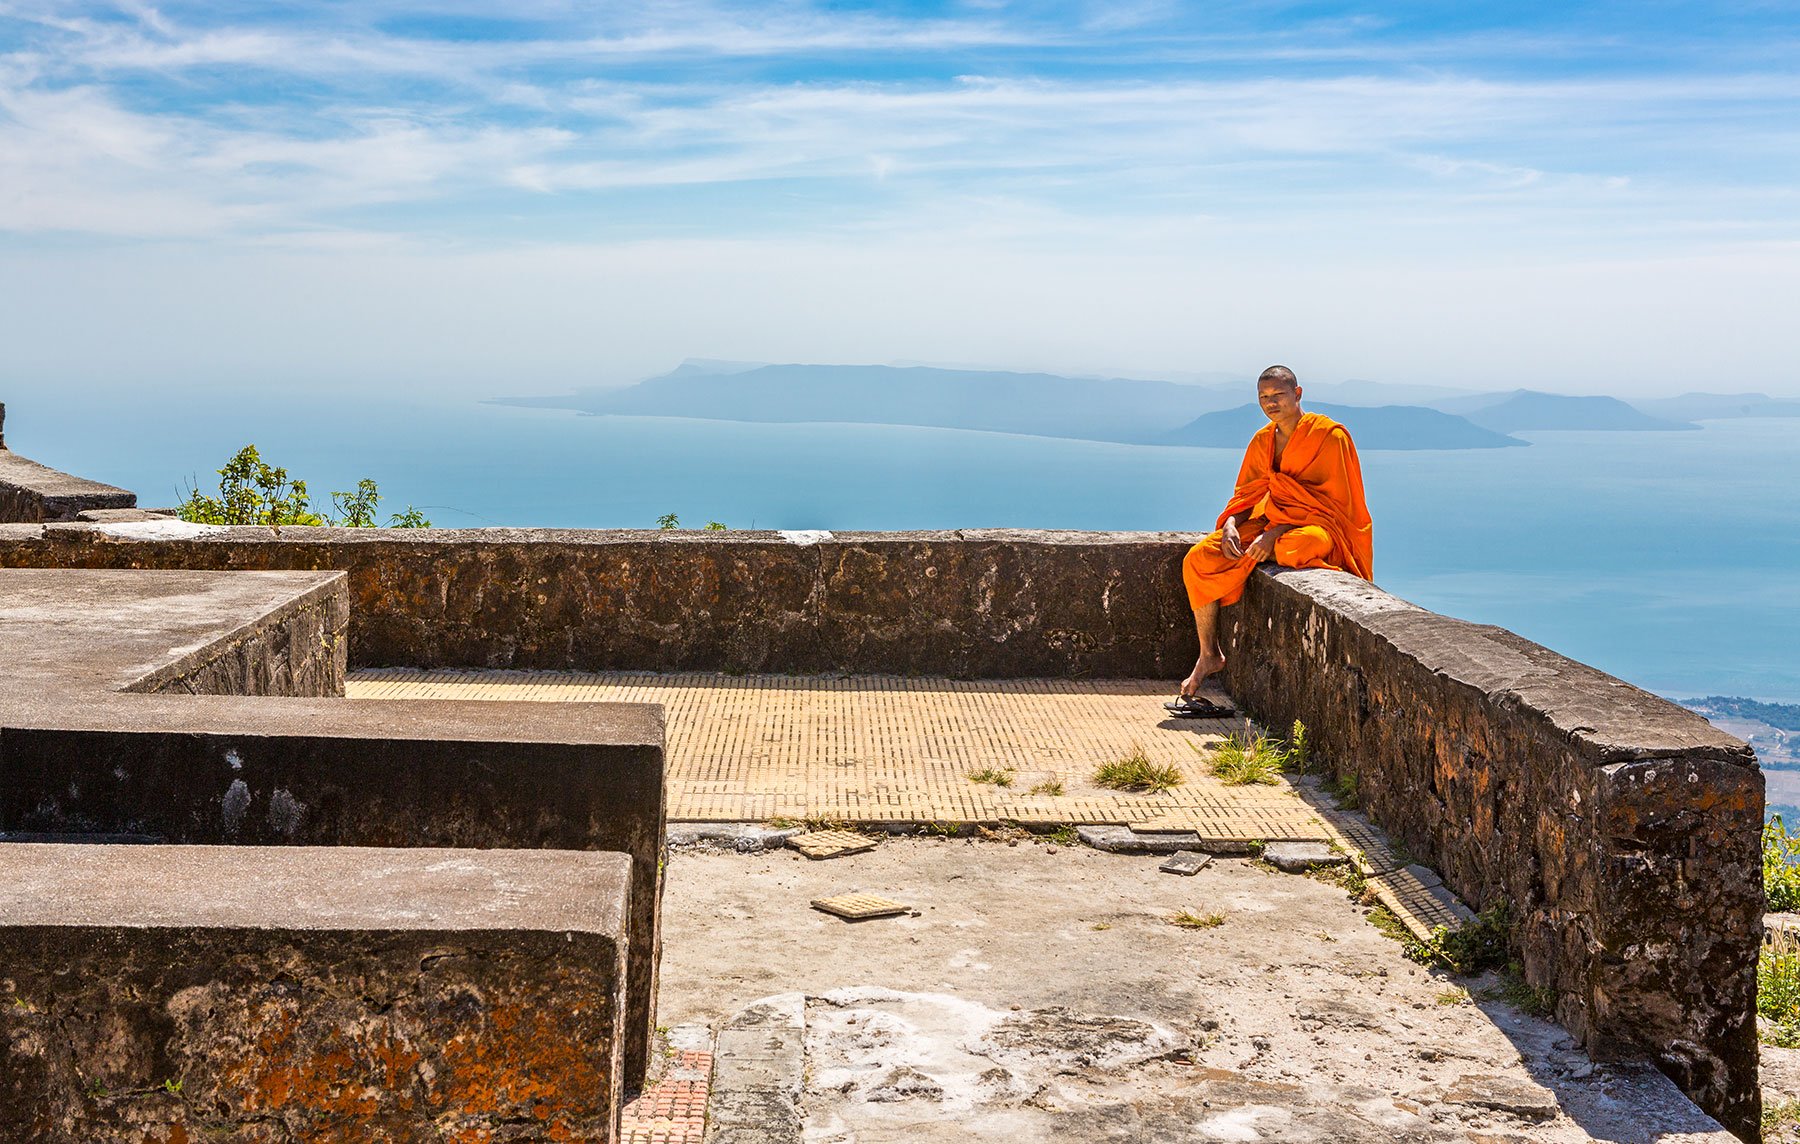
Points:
[(1669, 559)]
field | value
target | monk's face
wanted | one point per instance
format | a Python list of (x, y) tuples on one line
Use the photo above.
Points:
[(1280, 401)]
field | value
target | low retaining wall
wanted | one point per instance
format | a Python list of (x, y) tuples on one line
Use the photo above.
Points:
[(1621, 830)]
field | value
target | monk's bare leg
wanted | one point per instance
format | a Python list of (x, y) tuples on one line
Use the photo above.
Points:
[(1212, 659)]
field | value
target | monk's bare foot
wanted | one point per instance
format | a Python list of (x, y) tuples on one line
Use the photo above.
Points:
[(1203, 667)]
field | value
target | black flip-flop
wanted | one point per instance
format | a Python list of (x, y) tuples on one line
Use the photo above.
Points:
[(1194, 707)]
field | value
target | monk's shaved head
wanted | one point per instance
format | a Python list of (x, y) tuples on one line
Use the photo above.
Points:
[(1280, 373)]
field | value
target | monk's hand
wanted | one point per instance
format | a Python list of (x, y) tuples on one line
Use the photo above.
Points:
[(1262, 547), (1229, 542)]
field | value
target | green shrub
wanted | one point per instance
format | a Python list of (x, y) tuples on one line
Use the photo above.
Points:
[(252, 491), (1781, 866)]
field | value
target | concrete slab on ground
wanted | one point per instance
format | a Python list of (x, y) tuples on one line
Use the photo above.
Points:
[(1041, 995)]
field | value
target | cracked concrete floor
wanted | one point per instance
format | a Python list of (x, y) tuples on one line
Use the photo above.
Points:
[(1039, 993)]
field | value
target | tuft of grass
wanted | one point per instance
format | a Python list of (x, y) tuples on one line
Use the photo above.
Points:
[(1243, 759), (1343, 788), (1779, 1116), (1051, 787), (1781, 866), (993, 776), (1098, 926), (1536, 1000), (1064, 835), (1778, 988), (780, 823), (1136, 772), (1188, 919), (1455, 995), (1390, 926)]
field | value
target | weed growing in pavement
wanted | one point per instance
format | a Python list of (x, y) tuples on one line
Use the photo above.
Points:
[(1243, 759), (1136, 772), (1343, 788), (940, 829), (1536, 1000), (993, 776), (1472, 948), (1778, 989), (1188, 919), (780, 823), (1298, 755), (1064, 835), (1781, 866), (1051, 787), (1780, 1120)]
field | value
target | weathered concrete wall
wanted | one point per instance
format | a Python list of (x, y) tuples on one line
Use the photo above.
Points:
[(992, 603), (1621, 829), (30, 492), (172, 993)]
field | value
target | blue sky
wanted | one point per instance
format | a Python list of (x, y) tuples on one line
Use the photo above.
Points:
[(504, 198)]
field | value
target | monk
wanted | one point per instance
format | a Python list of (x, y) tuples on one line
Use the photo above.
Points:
[(1298, 501)]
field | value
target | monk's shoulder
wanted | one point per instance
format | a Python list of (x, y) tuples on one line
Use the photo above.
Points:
[(1320, 423)]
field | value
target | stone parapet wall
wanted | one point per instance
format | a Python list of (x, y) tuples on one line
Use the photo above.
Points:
[(1621, 830), (973, 604)]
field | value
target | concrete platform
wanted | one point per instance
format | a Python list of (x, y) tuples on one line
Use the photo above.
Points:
[(875, 750), (392, 994), (206, 708)]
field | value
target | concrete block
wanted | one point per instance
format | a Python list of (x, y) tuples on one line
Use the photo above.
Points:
[(194, 992), (1299, 857), (1124, 840)]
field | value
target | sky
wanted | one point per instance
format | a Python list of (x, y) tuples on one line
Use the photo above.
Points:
[(401, 196)]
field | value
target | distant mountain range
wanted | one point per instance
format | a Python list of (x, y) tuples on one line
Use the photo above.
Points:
[(1203, 412)]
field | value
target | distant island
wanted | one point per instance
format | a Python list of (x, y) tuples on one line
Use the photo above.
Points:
[(1203, 412), (1373, 427), (1530, 409)]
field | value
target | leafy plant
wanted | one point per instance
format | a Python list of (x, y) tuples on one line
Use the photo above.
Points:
[(715, 526), (668, 521), (1298, 756), (1778, 988), (357, 509), (251, 491), (1137, 772), (1781, 866)]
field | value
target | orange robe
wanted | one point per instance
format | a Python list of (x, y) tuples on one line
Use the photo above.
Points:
[(1318, 489)]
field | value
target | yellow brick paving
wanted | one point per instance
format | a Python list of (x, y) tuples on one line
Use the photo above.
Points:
[(865, 749)]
